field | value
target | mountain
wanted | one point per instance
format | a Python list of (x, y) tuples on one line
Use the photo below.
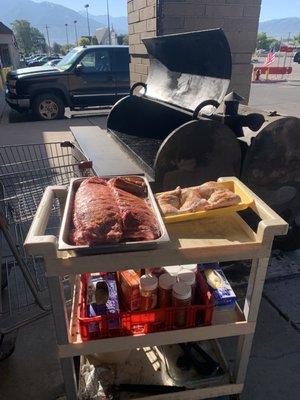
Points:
[(280, 27), (120, 24), (53, 15)]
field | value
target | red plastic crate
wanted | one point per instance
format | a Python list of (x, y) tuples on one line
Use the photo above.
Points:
[(142, 322)]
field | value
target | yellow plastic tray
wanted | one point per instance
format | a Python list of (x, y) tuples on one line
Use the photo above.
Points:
[(246, 201)]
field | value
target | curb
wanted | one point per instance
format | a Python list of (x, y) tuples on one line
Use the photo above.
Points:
[(269, 81)]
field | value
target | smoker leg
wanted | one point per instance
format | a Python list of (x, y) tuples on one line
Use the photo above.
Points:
[(69, 376), (251, 308), (61, 328)]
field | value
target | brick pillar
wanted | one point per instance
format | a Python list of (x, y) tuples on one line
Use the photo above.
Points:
[(142, 23), (238, 18)]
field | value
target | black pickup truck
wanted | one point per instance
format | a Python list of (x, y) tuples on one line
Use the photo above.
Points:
[(87, 76)]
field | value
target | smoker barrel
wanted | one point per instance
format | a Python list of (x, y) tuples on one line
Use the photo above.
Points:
[(185, 71), (271, 168), (172, 128), (196, 152)]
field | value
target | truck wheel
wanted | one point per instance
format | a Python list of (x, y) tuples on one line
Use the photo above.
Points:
[(48, 106)]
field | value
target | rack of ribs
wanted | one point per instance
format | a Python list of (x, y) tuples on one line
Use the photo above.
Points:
[(105, 213), (96, 216)]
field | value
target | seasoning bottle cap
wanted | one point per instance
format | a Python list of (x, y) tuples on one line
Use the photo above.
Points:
[(190, 267), (187, 277), (173, 270), (166, 281), (182, 291), (148, 282)]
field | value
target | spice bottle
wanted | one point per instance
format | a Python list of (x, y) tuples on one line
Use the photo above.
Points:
[(154, 271), (165, 284), (190, 267), (148, 289), (189, 278), (172, 270), (181, 297)]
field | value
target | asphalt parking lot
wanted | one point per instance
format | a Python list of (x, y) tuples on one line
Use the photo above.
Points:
[(33, 371), (283, 97)]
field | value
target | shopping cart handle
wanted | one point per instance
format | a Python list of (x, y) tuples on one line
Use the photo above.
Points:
[(37, 243)]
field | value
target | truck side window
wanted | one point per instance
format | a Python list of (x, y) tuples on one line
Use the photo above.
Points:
[(89, 62), (102, 61), (121, 60)]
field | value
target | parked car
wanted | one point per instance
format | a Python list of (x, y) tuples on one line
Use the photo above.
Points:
[(87, 76), (297, 57), (41, 60), (52, 63)]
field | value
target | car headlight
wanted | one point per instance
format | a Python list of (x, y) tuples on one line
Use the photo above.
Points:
[(11, 84)]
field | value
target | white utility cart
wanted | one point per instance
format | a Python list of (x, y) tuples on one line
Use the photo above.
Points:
[(226, 238)]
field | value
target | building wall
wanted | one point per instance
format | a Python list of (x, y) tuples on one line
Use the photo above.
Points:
[(238, 18), (142, 23), (7, 39)]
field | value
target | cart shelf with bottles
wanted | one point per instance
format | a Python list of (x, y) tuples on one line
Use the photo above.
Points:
[(226, 238)]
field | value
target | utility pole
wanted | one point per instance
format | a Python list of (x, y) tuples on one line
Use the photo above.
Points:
[(284, 60), (87, 17), (76, 35), (49, 47), (108, 22), (67, 36)]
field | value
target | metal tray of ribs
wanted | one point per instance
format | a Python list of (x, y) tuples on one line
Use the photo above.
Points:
[(111, 214)]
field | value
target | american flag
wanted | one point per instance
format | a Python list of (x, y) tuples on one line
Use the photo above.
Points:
[(269, 59)]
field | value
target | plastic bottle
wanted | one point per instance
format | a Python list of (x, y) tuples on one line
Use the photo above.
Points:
[(165, 283), (190, 267), (172, 270), (189, 278), (148, 289), (181, 297)]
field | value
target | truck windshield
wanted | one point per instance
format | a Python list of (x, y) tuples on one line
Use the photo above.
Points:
[(68, 60)]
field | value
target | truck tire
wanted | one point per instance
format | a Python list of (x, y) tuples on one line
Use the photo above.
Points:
[(48, 106)]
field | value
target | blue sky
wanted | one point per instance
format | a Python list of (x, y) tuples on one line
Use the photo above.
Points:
[(271, 9), (274, 9), (117, 8)]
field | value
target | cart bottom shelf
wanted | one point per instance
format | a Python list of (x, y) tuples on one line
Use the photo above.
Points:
[(225, 323), (155, 366)]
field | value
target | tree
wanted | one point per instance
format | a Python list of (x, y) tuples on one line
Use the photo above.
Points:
[(274, 45), (29, 39), (94, 40), (56, 48), (297, 38), (21, 30), (122, 39), (84, 41), (38, 40), (66, 48), (266, 42), (262, 41)]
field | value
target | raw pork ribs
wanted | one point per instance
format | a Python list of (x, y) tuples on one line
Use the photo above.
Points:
[(104, 213)]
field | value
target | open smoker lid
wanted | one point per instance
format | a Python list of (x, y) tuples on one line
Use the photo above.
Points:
[(189, 68)]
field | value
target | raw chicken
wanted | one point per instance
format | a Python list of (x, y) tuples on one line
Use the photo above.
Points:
[(191, 200), (169, 202), (208, 188), (222, 198)]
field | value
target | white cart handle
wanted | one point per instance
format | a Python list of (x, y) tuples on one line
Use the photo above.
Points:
[(37, 243)]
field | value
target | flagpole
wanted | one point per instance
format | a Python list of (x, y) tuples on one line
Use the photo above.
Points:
[(284, 61), (279, 55)]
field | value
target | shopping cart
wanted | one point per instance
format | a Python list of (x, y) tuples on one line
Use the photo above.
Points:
[(25, 172)]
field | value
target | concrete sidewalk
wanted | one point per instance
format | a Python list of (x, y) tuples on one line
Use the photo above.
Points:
[(33, 370)]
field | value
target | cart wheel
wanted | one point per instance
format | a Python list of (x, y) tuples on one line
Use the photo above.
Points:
[(7, 345)]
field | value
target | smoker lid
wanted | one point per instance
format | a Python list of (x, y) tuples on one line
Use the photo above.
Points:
[(189, 68)]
